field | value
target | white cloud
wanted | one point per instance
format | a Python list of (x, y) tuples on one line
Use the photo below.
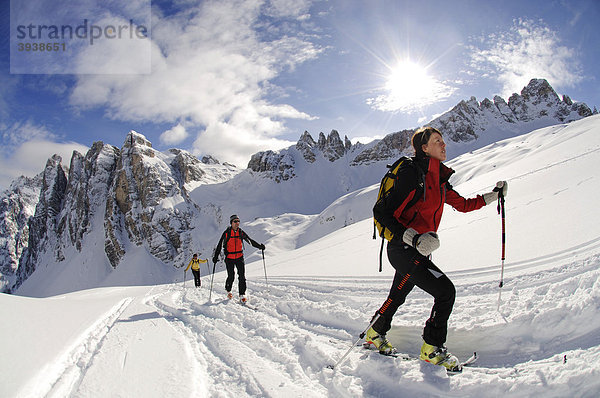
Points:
[(232, 144), (174, 136), (30, 157), (288, 8), (528, 50), (427, 94), (27, 147), (97, 38), (20, 132), (210, 67)]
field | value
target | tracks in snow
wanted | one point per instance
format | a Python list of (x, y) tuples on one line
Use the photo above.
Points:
[(305, 323), (62, 378), (251, 351)]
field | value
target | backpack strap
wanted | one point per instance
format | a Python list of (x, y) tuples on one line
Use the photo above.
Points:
[(381, 254), (228, 233)]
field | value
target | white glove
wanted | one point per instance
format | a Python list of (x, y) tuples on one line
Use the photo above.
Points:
[(424, 243), (491, 197)]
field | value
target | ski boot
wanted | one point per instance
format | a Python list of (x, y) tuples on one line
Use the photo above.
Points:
[(380, 342), (243, 299), (440, 356), (229, 295)]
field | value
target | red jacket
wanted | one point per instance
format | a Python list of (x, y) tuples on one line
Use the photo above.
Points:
[(234, 247), (231, 241), (429, 179)]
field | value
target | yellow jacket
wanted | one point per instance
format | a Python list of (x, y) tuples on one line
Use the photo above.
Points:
[(195, 264)]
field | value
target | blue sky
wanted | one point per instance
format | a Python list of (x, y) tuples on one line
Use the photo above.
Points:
[(231, 78)]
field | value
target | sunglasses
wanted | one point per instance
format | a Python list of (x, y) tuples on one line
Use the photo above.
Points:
[(236, 221)]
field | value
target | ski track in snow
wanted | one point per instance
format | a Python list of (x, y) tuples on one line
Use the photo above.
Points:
[(62, 378), (303, 324)]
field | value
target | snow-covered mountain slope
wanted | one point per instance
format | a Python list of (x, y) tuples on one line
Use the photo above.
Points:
[(170, 340), (467, 126), (546, 165), (108, 202), (17, 206), (472, 124)]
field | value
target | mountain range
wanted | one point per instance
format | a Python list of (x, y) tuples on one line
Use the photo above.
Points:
[(111, 201)]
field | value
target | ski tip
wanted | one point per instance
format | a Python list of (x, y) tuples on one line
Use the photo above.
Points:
[(455, 371)]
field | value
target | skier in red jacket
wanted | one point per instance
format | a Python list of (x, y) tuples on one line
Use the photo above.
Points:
[(232, 242), (414, 227)]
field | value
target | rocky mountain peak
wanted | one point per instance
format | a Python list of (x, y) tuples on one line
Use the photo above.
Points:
[(538, 90), (536, 106), (136, 139), (306, 146), (208, 159), (332, 146), (17, 206), (186, 166), (280, 165), (307, 139), (132, 196), (43, 224), (469, 123)]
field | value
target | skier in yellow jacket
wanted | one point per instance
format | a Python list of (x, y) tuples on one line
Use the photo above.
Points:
[(195, 264)]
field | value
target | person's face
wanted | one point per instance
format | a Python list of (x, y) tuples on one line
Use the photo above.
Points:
[(435, 147), (235, 224)]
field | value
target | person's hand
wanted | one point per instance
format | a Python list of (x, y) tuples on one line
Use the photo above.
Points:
[(424, 243), (501, 186), (261, 246), (491, 197)]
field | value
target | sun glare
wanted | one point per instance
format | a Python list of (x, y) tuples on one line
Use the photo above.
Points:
[(408, 81), (409, 87)]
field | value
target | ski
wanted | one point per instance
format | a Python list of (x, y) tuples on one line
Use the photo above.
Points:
[(407, 357), (245, 304), (400, 355), (464, 364), (471, 360)]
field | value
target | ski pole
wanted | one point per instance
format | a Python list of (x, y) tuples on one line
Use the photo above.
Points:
[(184, 279), (360, 337), (503, 215), (211, 281), (265, 268)]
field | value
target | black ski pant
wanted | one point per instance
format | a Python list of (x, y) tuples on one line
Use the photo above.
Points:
[(414, 269), (232, 264), (196, 277)]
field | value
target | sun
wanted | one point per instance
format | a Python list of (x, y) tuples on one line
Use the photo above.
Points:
[(408, 81), (408, 87)]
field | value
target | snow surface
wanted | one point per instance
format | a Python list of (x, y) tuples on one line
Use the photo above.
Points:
[(169, 340)]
